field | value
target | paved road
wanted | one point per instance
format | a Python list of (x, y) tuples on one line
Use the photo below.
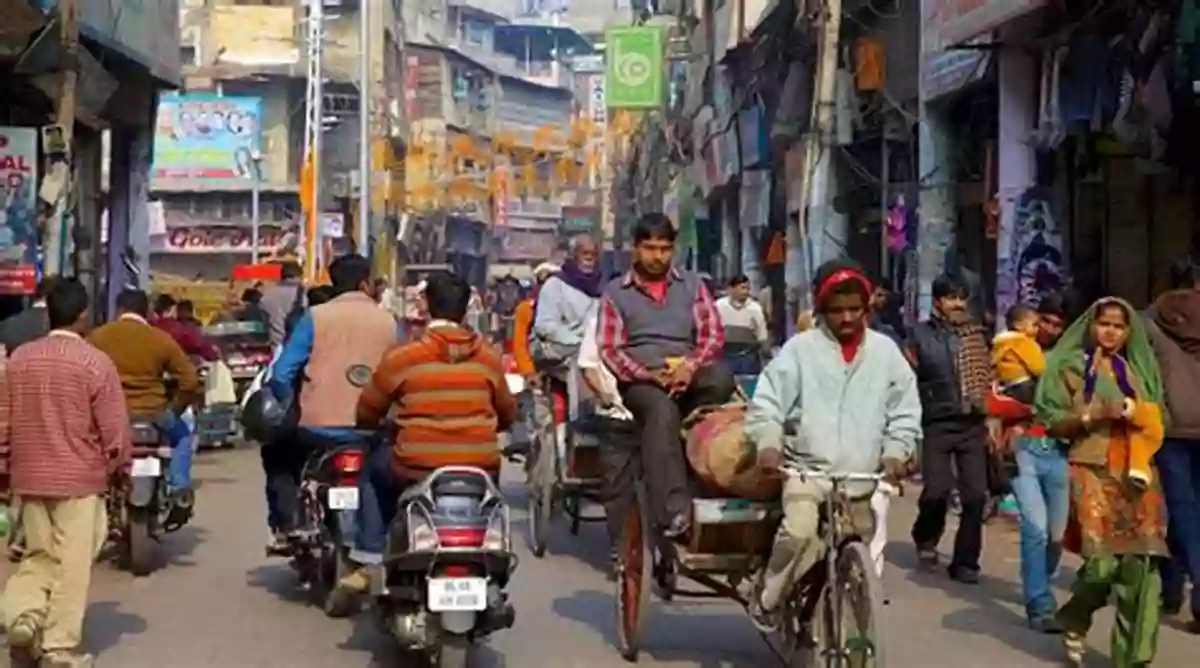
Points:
[(221, 603)]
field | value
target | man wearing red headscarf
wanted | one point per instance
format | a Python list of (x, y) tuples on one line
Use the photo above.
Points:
[(850, 398)]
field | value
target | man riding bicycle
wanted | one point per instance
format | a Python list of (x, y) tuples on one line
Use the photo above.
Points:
[(660, 335), (850, 397)]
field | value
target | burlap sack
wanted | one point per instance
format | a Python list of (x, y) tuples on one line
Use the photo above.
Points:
[(722, 458)]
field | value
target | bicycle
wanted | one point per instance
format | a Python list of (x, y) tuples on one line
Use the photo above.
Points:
[(845, 581)]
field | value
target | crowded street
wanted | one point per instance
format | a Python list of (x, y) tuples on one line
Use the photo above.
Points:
[(220, 602)]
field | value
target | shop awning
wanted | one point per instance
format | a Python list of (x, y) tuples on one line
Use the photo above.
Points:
[(957, 21)]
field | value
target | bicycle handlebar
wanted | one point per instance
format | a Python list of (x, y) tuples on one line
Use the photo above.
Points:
[(834, 477)]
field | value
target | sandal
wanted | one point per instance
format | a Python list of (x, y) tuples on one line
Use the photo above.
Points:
[(1075, 645)]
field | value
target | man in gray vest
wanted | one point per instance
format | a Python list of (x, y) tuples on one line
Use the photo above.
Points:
[(661, 336)]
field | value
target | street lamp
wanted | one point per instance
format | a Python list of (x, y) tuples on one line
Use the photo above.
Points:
[(255, 182)]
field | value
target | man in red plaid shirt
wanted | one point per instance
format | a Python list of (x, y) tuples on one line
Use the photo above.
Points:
[(661, 336)]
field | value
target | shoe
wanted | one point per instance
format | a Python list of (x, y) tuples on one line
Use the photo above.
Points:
[(25, 631), (927, 556), (1171, 609), (766, 621), (678, 527), (1046, 624), (278, 545), (340, 601), (66, 660), (964, 575)]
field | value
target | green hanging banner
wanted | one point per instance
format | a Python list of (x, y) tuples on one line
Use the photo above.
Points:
[(635, 74)]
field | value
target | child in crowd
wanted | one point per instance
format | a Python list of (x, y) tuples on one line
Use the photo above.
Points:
[(1016, 356)]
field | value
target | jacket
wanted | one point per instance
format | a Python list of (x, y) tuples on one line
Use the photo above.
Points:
[(327, 343), (277, 301), (142, 354), (846, 417), (1180, 373), (934, 351), (448, 397), (1017, 357), (561, 312)]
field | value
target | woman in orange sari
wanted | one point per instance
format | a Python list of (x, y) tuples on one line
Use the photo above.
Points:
[(1102, 393)]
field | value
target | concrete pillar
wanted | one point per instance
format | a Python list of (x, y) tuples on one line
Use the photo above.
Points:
[(1017, 162), (118, 213), (938, 201)]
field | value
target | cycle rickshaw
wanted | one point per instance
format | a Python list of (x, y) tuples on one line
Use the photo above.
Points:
[(563, 465), (833, 617)]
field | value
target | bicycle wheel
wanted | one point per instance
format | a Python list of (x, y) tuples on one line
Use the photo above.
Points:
[(861, 597), (635, 557)]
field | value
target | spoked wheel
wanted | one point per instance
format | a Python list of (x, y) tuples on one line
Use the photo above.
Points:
[(635, 558), (860, 595), (541, 512)]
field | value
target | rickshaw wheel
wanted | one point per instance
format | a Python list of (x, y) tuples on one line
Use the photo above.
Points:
[(861, 592), (541, 512), (635, 557)]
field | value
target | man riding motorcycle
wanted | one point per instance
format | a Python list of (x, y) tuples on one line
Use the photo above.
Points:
[(850, 396), (448, 397), (144, 356), (329, 348)]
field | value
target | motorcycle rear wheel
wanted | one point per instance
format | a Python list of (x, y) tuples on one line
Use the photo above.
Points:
[(138, 553), (455, 652)]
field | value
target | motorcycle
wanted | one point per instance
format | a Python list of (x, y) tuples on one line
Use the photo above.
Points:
[(140, 503), (319, 549), (441, 586)]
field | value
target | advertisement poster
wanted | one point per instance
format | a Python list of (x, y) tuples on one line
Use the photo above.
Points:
[(18, 211), (206, 136)]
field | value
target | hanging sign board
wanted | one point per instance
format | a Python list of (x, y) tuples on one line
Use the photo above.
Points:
[(18, 211)]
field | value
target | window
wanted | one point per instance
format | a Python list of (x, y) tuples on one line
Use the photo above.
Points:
[(187, 55)]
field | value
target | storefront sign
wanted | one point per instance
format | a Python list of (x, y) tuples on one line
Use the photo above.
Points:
[(960, 20), (634, 78), (204, 136), (18, 210), (596, 109), (219, 240)]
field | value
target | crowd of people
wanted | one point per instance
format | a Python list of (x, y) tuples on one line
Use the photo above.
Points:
[(1098, 418)]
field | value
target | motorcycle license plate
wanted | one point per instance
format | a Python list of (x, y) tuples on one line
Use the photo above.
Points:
[(343, 498), (457, 594), (146, 467)]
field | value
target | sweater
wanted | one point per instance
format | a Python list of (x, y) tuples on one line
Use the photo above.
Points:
[(522, 328), (1017, 357), (847, 416), (448, 397), (143, 354)]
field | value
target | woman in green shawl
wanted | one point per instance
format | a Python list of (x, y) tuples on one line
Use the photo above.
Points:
[(1102, 393)]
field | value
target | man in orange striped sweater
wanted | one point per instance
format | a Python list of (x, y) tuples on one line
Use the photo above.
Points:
[(449, 398)]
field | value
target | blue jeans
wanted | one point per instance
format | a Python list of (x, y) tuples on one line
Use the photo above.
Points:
[(378, 492), (1178, 464), (1043, 492), (179, 437)]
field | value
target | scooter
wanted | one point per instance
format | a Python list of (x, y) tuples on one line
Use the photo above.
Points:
[(142, 509), (441, 586)]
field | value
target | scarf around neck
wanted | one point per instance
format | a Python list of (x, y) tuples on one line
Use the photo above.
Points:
[(589, 284)]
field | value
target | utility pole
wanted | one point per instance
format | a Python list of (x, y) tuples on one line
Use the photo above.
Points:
[(818, 143), (59, 146), (364, 130), (314, 119)]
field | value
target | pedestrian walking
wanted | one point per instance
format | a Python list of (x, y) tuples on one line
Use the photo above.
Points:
[(954, 374), (1173, 323), (1103, 392), (68, 432)]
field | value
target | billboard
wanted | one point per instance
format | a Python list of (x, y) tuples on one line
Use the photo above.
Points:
[(18, 210), (206, 136)]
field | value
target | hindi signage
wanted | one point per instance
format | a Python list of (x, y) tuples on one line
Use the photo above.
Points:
[(18, 210)]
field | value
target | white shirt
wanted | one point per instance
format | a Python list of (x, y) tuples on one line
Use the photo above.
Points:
[(589, 358), (747, 316)]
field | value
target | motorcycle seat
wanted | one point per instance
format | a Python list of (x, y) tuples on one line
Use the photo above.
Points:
[(457, 484)]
